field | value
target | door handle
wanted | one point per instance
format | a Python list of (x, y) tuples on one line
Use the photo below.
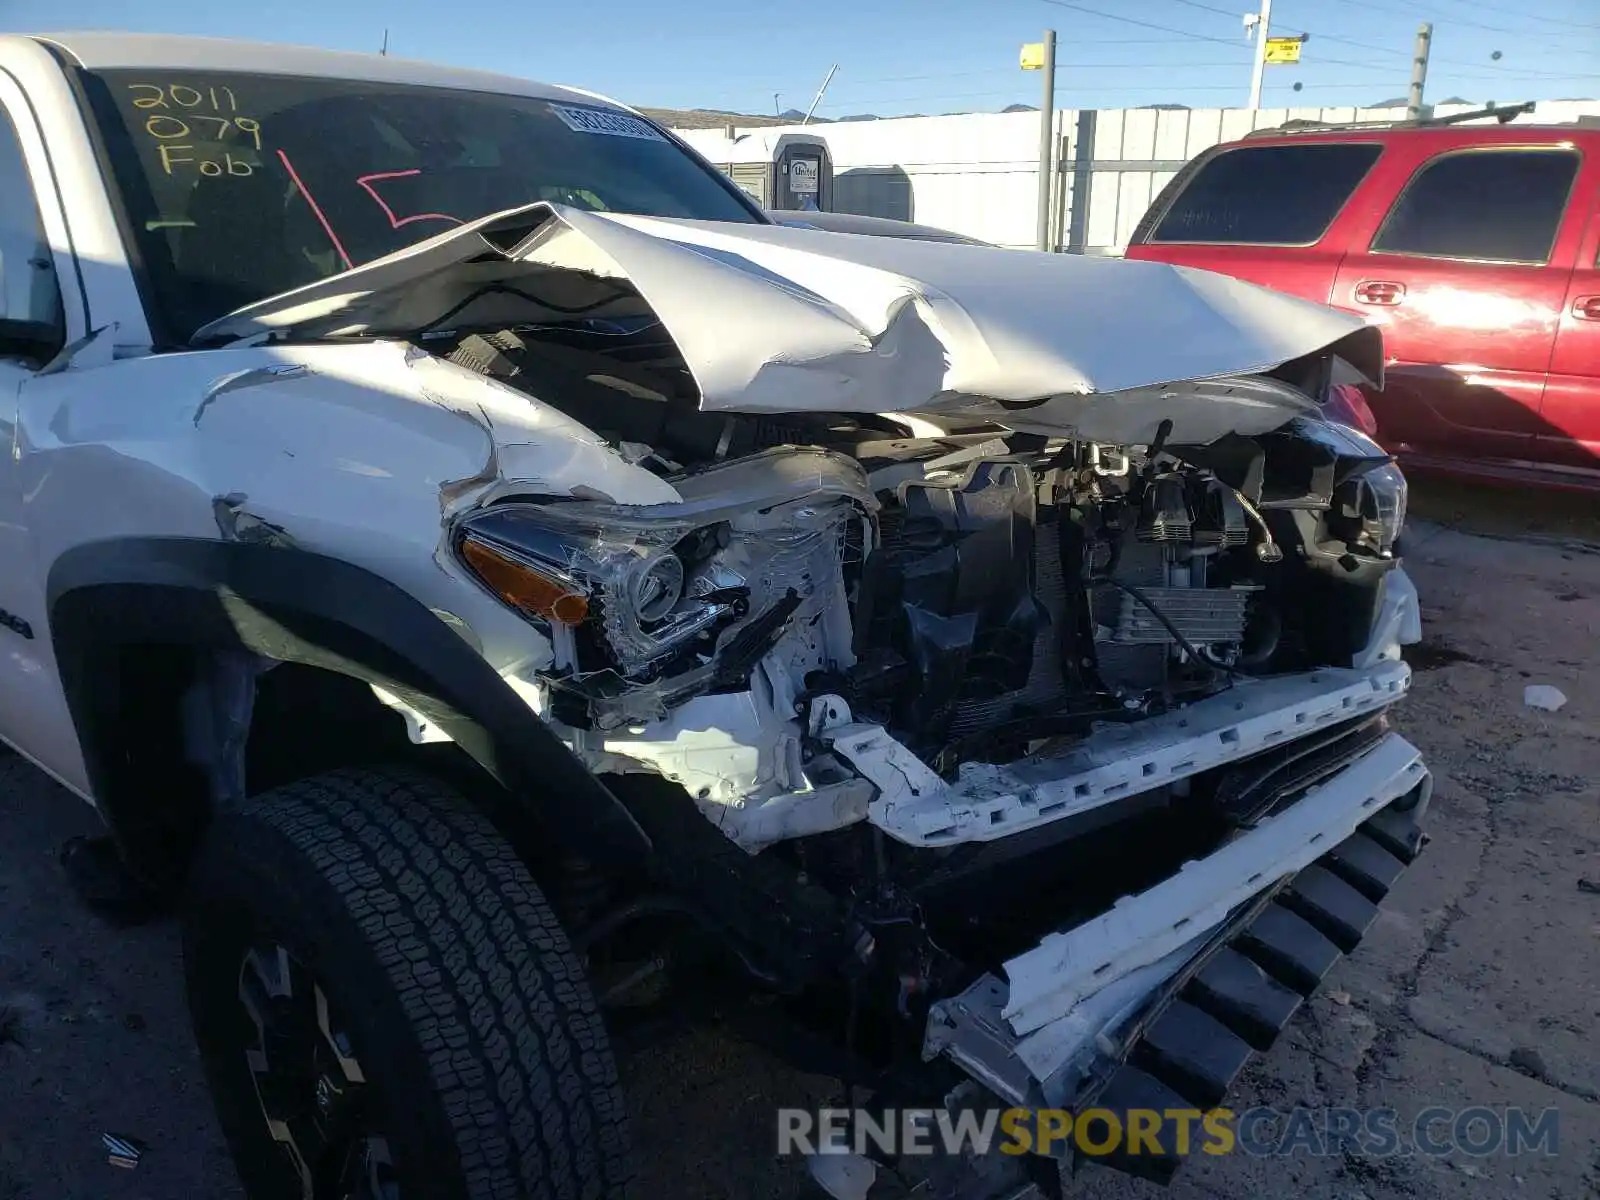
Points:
[(1586, 308), (1379, 291)]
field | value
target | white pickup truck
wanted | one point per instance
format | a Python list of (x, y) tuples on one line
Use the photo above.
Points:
[(498, 584)]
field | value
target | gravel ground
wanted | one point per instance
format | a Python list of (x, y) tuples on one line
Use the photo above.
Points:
[(1478, 985)]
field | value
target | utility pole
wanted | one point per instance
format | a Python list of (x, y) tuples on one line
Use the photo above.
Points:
[(1419, 71), (384, 49), (820, 91), (1047, 138), (1258, 65)]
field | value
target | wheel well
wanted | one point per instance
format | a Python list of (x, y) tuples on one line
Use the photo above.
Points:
[(307, 721), (170, 617), (168, 737)]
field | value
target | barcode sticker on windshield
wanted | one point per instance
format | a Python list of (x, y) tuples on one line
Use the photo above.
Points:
[(614, 124)]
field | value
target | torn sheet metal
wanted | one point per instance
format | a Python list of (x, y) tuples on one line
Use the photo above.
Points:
[(235, 524), (235, 381), (776, 319), (1398, 623), (531, 448)]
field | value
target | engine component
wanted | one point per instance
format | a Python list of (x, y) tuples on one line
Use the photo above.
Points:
[(624, 380), (1183, 508), (1221, 519), (1204, 616), (1171, 594), (1164, 514), (1045, 688), (952, 591), (1135, 648)]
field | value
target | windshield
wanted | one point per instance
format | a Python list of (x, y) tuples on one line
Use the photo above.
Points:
[(240, 186)]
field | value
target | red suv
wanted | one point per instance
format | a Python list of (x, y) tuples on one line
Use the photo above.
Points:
[(1474, 247)]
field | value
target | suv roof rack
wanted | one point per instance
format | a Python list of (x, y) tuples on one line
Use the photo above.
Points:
[(1503, 115)]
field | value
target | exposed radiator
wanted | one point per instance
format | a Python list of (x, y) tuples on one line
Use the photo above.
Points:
[(1129, 664), (1131, 645), (1202, 615)]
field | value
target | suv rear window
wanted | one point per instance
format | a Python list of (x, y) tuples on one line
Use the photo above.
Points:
[(1494, 205), (1266, 195)]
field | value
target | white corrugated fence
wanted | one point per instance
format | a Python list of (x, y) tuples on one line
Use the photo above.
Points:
[(977, 173)]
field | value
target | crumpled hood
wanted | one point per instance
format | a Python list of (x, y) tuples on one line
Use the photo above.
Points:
[(777, 319)]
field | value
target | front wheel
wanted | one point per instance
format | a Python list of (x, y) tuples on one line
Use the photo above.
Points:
[(387, 1008)]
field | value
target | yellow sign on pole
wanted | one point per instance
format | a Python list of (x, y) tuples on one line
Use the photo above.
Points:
[(1284, 50), (1033, 56)]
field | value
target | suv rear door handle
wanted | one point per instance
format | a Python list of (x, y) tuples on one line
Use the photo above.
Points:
[(1379, 291), (1586, 308)]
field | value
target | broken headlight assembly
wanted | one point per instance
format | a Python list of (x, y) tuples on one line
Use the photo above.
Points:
[(647, 608), (631, 593), (1369, 510)]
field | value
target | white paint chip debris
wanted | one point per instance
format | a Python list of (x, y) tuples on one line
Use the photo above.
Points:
[(1543, 696)]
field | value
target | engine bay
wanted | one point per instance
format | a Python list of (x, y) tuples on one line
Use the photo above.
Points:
[(973, 590)]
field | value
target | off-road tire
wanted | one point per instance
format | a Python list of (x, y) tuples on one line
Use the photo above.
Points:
[(469, 1011)]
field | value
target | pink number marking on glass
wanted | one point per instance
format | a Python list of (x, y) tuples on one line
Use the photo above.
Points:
[(396, 222)]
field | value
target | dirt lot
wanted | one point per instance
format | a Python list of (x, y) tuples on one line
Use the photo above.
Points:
[(1480, 984)]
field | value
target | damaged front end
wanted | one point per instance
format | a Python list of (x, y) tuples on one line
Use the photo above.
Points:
[(977, 666), (986, 629), (1081, 748)]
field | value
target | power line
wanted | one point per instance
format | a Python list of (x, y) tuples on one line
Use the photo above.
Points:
[(1317, 61), (1181, 39), (1498, 71), (1211, 8), (1095, 12), (1417, 10), (851, 101), (1479, 65), (1317, 34), (1325, 37), (941, 97), (765, 77), (1228, 12), (1183, 36), (1342, 41), (1109, 66), (854, 84), (1167, 41), (1309, 32), (1530, 16)]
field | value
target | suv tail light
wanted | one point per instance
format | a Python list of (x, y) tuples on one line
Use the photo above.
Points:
[(1346, 405)]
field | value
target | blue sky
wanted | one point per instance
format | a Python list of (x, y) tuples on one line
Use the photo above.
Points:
[(901, 56)]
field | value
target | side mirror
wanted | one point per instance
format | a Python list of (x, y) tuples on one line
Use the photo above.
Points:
[(37, 341), (32, 322)]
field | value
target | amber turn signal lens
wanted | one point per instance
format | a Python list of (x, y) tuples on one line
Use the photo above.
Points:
[(520, 586)]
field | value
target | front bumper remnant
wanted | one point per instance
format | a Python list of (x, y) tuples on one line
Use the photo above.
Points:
[(1159, 1002), (989, 802)]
